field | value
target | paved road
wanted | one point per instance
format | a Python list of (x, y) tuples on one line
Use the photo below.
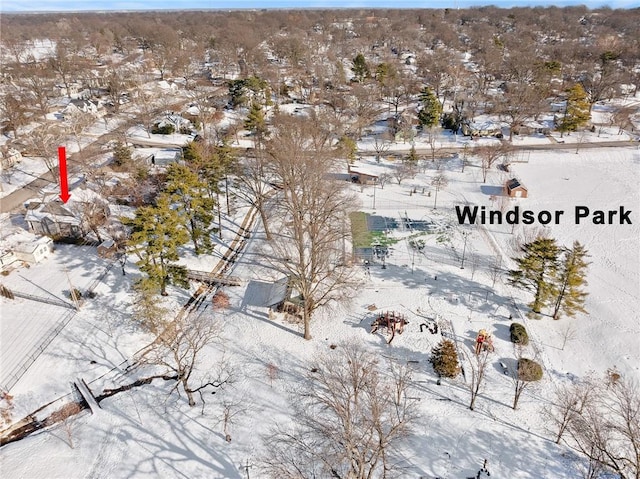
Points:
[(538, 147), (15, 200)]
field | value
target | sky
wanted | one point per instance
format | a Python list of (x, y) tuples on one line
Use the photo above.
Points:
[(82, 5)]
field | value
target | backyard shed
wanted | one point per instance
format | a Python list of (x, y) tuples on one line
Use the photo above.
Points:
[(515, 189), (34, 251), (361, 177)]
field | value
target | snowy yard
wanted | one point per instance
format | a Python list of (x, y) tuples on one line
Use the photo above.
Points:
[(148, 433)]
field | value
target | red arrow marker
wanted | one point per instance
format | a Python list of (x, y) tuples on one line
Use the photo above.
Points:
[(64, 182)]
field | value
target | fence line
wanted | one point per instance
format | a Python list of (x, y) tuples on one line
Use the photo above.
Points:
[(40, 299), (19, 370)]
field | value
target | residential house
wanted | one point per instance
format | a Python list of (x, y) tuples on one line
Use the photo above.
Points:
[(51, 217), (73, 88), (532, 128), (9, 157), (81, 106), (178, 123), (481, 128)]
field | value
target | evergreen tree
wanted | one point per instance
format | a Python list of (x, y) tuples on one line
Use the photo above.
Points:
[(121, 154), (412, 157), (157, 232), (348, 147), (570, 280), (237, 92), (256, 122), (429, 114), (537, 271), (444, 358), (577, 110), (360, 68), (195, 206), (192, 152), (383, 72), (147, 311)]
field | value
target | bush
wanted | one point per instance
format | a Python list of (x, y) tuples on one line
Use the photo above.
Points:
[(220, 300), (121, 154), (529, 370), (165, 129), (75, 294), (450, 121), (444, 358), (518, 334)]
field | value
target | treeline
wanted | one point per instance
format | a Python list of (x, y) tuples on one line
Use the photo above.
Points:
[(494, 37)]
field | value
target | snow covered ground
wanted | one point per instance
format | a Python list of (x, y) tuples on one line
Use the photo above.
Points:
[(147, 432)]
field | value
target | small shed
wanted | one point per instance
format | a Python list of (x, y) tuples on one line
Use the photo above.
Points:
[(166, 157), (515, 189), (7, 258), (34, 251), (360, 177)]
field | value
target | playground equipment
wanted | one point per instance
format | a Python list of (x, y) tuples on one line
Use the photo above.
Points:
[(392, 321), (484, 341)]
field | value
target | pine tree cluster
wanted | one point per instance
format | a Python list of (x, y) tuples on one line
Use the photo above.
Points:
[(556, 276)]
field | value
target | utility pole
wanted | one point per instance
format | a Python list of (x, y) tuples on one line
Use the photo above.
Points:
[(464, 248), (73, 292), (374, 193), (246, 468)]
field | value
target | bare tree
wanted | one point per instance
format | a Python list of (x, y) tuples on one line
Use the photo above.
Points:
[(77, 123), (207, 100), (253, 185), (363, 109), (622, 117), (568, 334), (432, 140), (178, 346), (495, 270), (13, 109), (116, 84), (383, 179), (353, 413), (313, 208), (381, 144), (439, 182), (402, 171), (478, 364), (607, 430), (37, 82), (44, 142), (231, 410), (65, 64), (568, 403), (489, 155), (516, 104), (146, 113)]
